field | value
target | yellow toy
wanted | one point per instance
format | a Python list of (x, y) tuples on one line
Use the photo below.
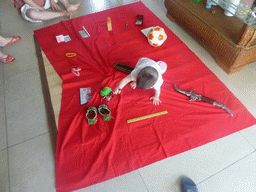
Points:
[(147, 116)]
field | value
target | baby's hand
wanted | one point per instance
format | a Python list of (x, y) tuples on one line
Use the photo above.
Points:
[(117, 90), (156, 100), (133, 84)]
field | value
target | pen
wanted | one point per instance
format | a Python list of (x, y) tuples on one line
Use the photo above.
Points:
[(86, 31)]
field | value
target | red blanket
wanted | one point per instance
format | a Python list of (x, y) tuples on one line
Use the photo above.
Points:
[(89, 154)]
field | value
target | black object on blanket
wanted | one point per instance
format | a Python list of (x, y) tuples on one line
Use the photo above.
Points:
[(123, 68)]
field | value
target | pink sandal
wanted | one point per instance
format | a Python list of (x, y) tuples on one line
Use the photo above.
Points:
[(8, 59), (15, 39)]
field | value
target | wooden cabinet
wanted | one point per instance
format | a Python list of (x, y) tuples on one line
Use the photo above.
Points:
[(228, 39)]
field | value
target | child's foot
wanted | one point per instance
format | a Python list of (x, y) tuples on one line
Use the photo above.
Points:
[(68, 14), (71, 8), (7, 59), (9, 40)]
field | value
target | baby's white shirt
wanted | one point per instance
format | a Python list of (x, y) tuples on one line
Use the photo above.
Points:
[(146, 62)]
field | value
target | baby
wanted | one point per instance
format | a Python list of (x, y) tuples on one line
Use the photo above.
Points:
[(147, 74)]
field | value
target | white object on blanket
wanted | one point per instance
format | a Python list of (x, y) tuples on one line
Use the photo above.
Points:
[(67, 38), (163, 66), (86, 31), (60, 38), (156, 35), (76, 71), (146, 31)]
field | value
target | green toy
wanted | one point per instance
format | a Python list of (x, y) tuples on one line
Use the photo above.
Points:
[(106, 93)]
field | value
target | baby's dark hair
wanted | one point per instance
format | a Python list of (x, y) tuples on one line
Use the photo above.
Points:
[(147, 78)]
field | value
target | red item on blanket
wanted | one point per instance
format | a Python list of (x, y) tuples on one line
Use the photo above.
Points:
[(89, 154)]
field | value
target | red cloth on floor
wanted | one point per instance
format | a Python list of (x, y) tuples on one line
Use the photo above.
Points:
[(89, 154)]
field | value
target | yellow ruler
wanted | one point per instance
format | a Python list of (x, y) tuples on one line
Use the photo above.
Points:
[(147, 116)]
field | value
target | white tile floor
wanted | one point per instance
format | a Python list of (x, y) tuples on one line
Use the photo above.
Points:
[(26, 156)]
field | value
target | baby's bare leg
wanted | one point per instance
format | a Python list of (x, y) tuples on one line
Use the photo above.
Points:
[(46, 15), (2, 55), (4, 40), (70, 7)]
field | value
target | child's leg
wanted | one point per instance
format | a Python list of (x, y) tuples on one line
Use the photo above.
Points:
[(4, 40), (33, 15), (45, 15), (69, 7), (2, 55)]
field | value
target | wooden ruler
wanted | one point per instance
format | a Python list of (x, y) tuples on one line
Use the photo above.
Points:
[(147, 116)]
